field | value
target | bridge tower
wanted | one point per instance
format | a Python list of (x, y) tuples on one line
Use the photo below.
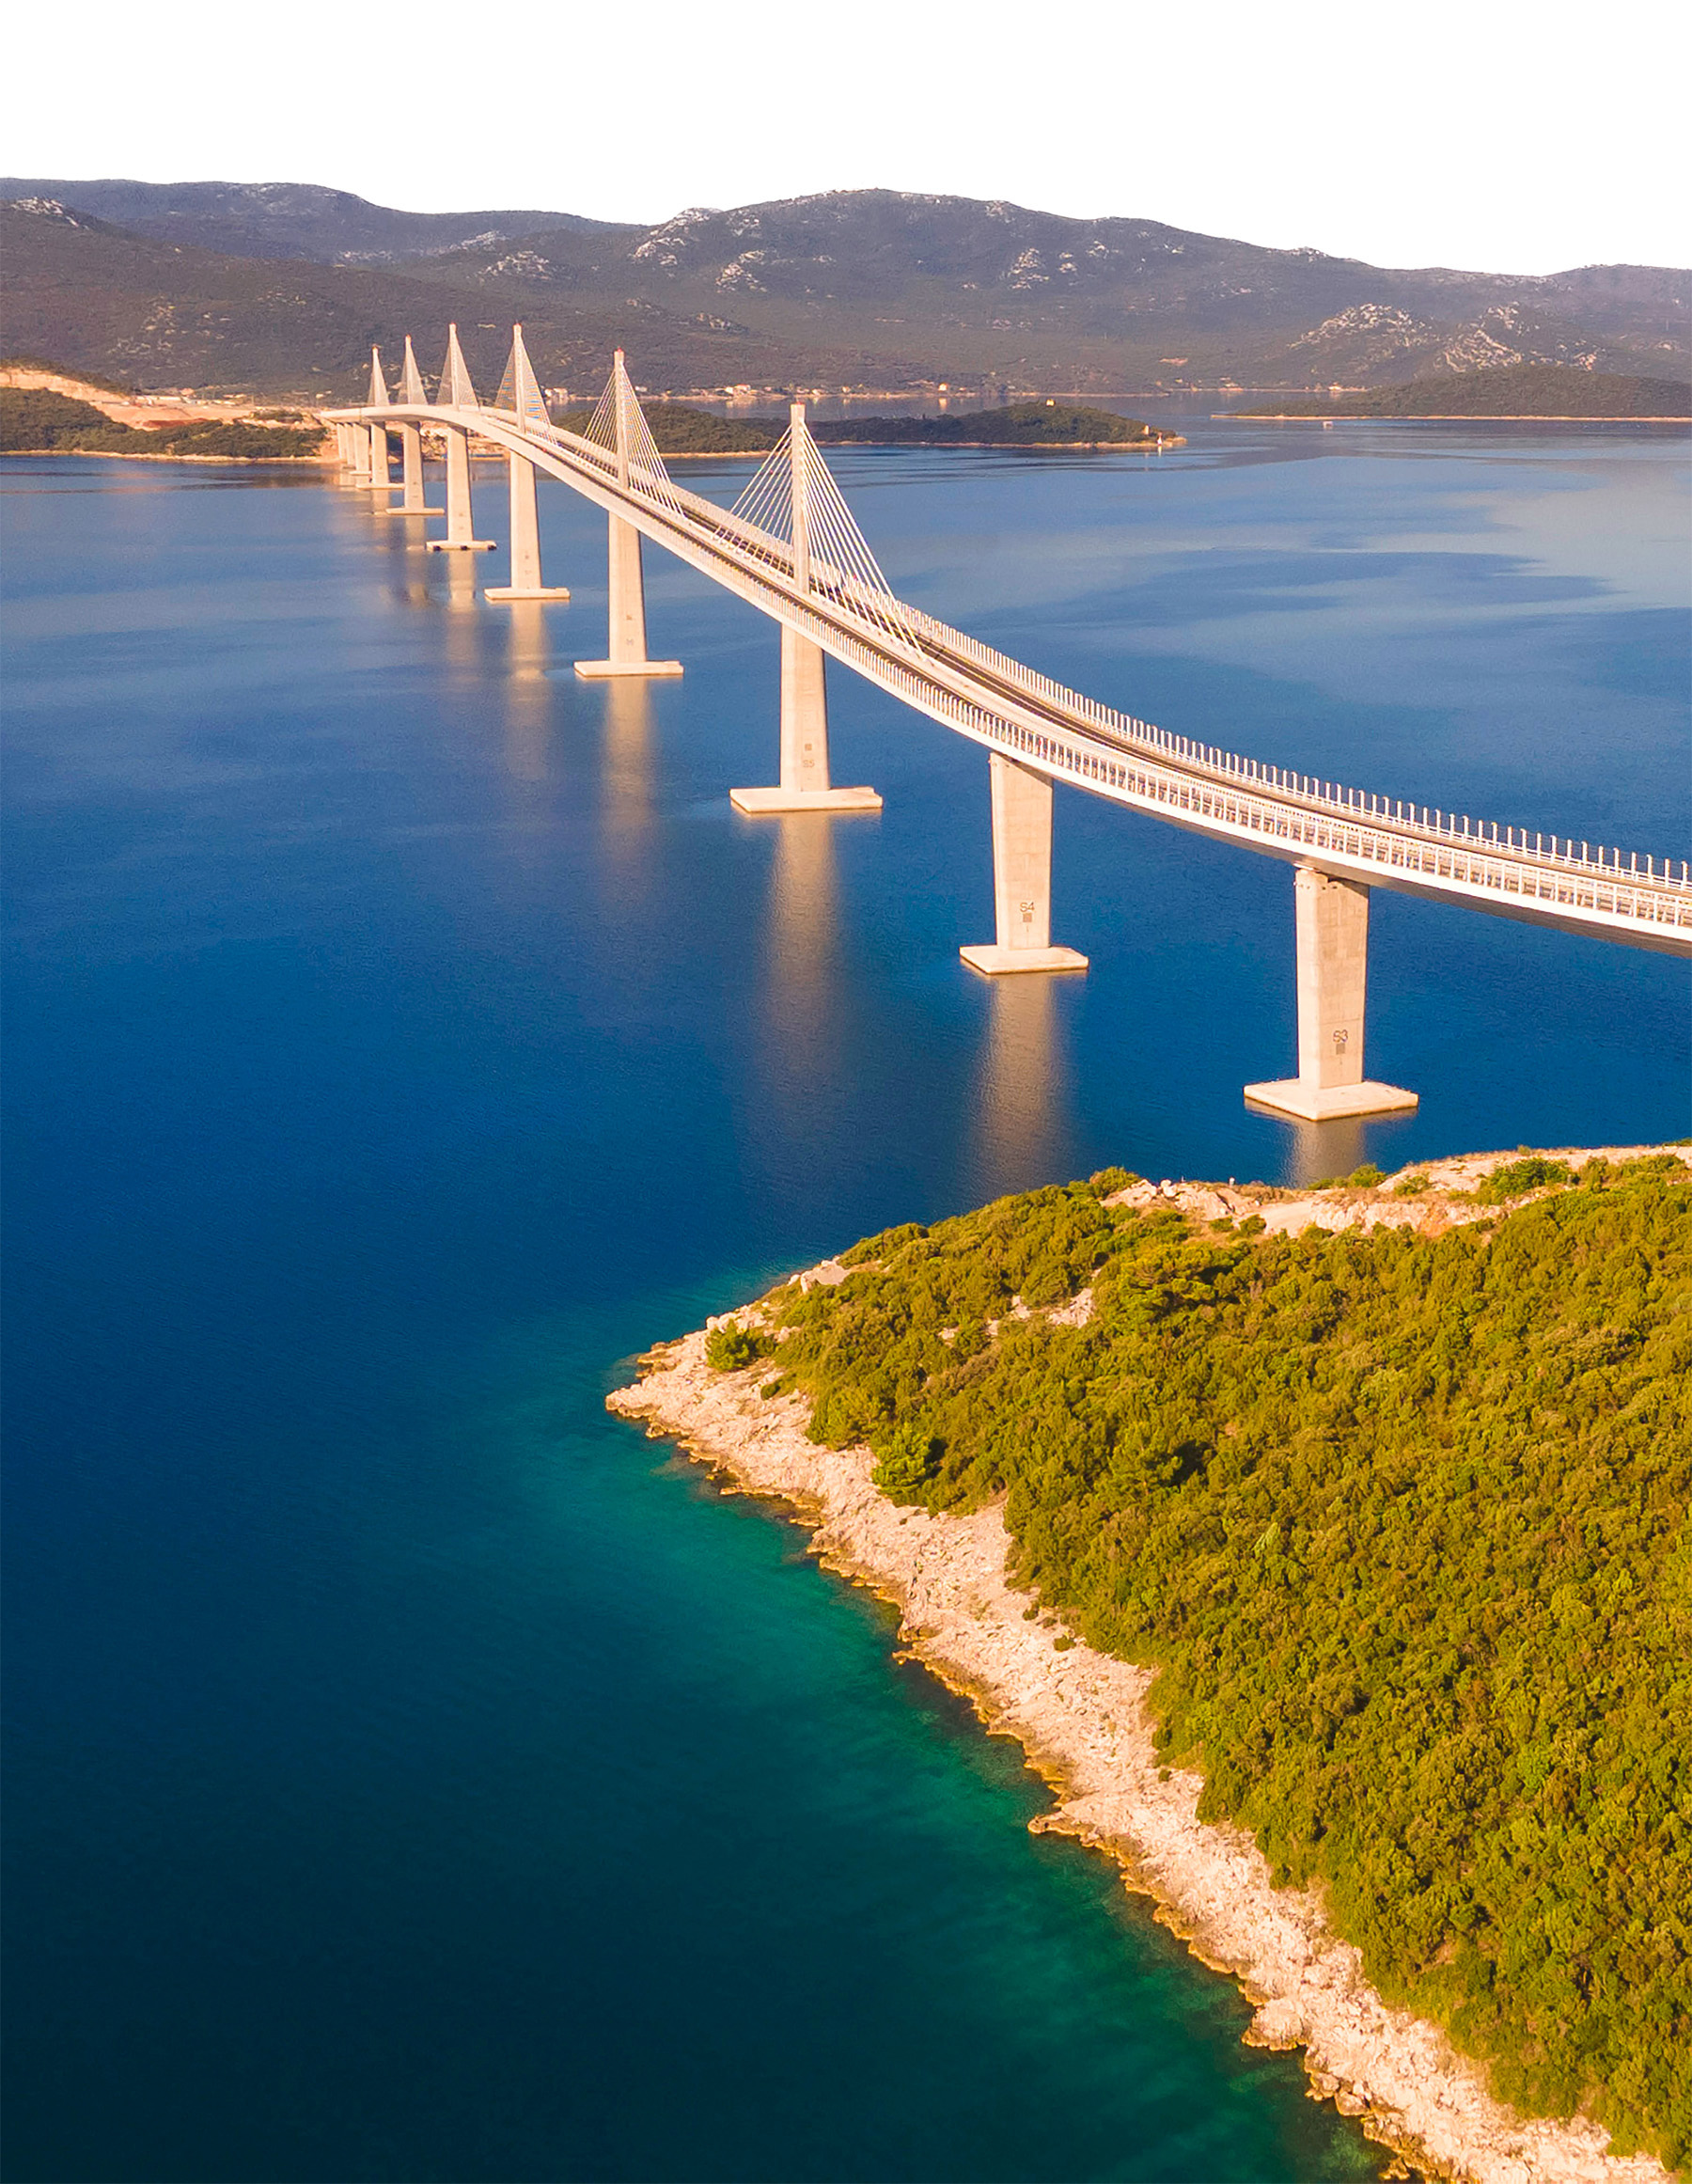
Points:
[(379, 479), (626, 643), (805, 784), (1022, 876), (413, 396), (530, 406), (1331, 918), (458, 393)]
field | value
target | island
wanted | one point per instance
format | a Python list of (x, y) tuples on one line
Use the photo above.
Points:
[(681, 428), (1326, 1550), (1044, 422), (1506, 392)]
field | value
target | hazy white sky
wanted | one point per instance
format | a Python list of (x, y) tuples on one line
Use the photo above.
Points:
[(1484, 133)]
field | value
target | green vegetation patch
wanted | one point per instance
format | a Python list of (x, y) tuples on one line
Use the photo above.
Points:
[(679, 428), (1022, 424), (1503, 390), (33, 421), (1400, 1521)]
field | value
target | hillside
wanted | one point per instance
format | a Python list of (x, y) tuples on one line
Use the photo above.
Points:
[(99, 299), (851, 289), (1521, 390), (290, 219), (1389, 1484), (36, 420)]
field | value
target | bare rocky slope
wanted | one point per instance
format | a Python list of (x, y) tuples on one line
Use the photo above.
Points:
[(242, 284)]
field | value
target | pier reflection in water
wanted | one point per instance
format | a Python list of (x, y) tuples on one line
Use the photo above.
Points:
[(1022, 1084), (529, 695), (626, 769)]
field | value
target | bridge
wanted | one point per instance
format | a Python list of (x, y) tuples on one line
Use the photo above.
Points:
[(791, 546)]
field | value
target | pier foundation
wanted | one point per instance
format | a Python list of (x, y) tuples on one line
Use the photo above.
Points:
[(526, 542), (460, 526), (381, 479), (805, 784), (411, 474), (357, 456), (627, 641), (1331, 917), (1022, 876)]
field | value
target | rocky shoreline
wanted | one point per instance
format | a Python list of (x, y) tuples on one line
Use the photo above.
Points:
[(1082, 1718)]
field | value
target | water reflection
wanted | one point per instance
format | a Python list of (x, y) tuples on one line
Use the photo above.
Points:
[(1020, 1101), (528, 693), (804, 944), (1320, 1151), (627, 769), (460, 617)]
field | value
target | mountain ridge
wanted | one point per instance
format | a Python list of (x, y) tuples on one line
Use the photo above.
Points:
[(863, 287)]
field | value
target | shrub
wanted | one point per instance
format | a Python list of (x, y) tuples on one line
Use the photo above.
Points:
[(730, 1349), (1516, 1177)]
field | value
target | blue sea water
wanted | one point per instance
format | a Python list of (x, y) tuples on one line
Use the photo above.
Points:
[(414, 1773)]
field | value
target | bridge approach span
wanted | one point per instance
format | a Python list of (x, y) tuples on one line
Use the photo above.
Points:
[(789, 548)]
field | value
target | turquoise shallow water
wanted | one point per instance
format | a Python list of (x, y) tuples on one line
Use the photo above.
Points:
[(414, 1773)]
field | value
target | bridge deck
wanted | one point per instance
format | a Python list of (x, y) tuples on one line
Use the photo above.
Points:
[(999, 702)]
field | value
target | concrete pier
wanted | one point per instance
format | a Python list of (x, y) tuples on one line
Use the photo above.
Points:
[(411, 474), (358, 457), (1022, 876), (380, 480), (627, 653), (526, 542), (460, 527), (805, 784), (1331, 917)]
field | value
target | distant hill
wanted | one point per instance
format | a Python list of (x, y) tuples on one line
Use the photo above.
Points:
[(105, 300), (1519, 391), (292, 219), (280, 286)]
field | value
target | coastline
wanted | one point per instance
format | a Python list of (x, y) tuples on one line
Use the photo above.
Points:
[(163, 455), (1427, 417), (1082, 1718)]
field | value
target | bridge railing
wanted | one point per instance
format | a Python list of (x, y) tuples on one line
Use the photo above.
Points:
[(1453, 828), (1497, 854)]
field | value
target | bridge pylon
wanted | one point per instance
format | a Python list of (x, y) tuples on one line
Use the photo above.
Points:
[(380, 479), (457, 392), (520, 392), (1331, 918), (1022, 876), (626, 644), (413, 395), (805, 784)]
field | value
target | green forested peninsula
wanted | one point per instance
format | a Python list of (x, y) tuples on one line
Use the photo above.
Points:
[(1502, 391), (1044, 423), (1401, 1519), (679, 428), (35, 420)]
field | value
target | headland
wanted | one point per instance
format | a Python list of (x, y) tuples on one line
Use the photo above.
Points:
[(1089, 1717)]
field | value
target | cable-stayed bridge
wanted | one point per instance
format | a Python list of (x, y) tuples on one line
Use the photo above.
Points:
[(792, 547)]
